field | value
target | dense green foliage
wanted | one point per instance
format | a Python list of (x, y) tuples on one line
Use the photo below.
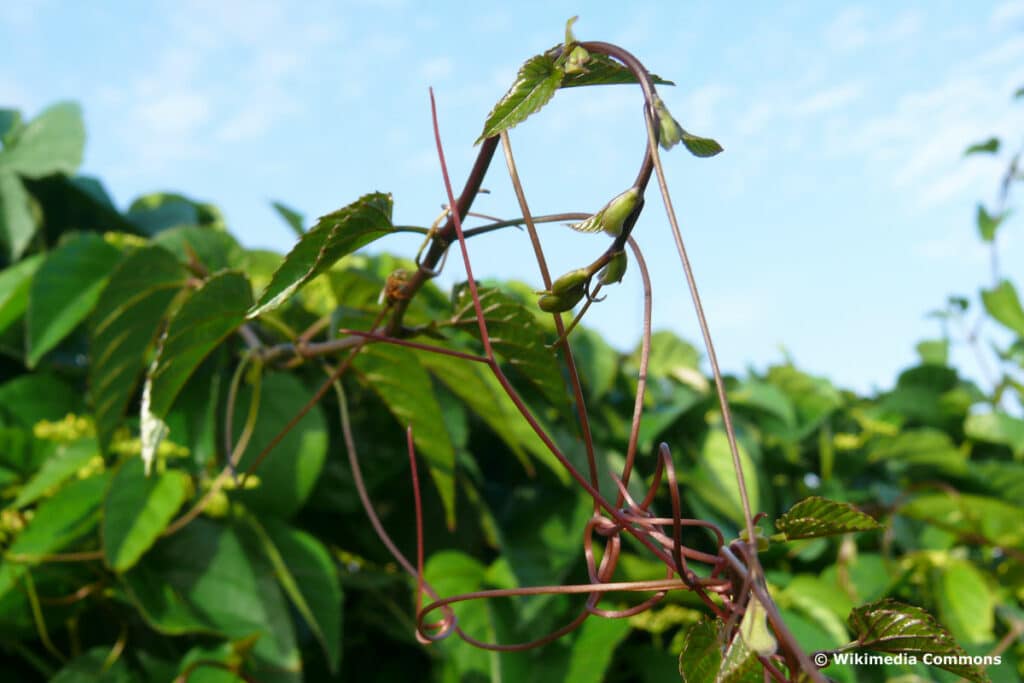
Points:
[(144, 350)]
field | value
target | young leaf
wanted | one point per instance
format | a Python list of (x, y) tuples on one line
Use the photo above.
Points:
[(1003, 304), (516, 335), (701, 147), (307, 574), (988, 223), (65, 289), (701, 656), (990, 146), (211, 313), (817, 516), (17, 223), (50, 143), (136, 511), (292, 217), (334, 236), (535, 85), (65, 461), (890, 626), (398, 378), (603, 70), (123, 328)]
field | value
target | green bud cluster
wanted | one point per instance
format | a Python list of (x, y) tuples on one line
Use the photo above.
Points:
[(565, 292), (613, 215), (615, 270)]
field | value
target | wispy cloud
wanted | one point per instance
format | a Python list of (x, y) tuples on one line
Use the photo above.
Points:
[(829, 99)]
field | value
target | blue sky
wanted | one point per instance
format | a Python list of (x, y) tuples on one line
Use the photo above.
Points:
[(840, 213)]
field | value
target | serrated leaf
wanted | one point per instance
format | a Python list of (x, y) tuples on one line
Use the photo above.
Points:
[(206, 317), (397, 377), (307, 574), (65, 461), (65, 289), (816, 516), (535, 85), (603, 70), (293, 218), (1003, 304), (988, 223), (137, 509), (701, 147), (50, 143), (17, 223), (14, 285), (990, 146), (701, 656), (71, 514), (516, 335), (123, 328), (334, 236), (890, 626)]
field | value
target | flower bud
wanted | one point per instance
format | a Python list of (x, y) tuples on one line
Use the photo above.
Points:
[(670, 133), (615, 270), (559, 303), (613, 215), (575, 62), (571, 280)]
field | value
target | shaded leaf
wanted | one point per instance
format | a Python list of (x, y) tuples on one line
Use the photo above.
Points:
[(535, 85), (1003, 304), (50, 143), (919, 447), (65, 289), (334, 236), (123, 328), (593, 648), (17, 220), (37, 396), (215, 249), (401, 382), (816, 516), (93, 667), (154, 213), (990, 146), (701, 656), (890, 626), (716, 478), (290, 471), (966, 603), (308, 576), (137, 509), (207, 316), (516, 335)]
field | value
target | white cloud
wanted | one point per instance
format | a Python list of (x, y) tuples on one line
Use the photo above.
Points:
[(437, 69), (829, 99), (853, 28), (1007, 13), (848, 31)]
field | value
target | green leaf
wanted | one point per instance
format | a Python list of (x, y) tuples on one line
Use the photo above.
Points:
[(397, 377), (65, 289), (94, 666), (334, 236), (516, 335), (715, 477), (14, 285), (214, 578), (289, 472), (814, 398), (1003, 304), (997, 427), (10, 122), (988, 223), (50, 143), (966, 603), (597, 361), (215, 249), (58, 522), (137, 509), (535, 85), (593, 647), (210, 313), (890, 626), (817, 516), (17, 218), (934, 351), (481, 392), (990, 146), (123, 328), (154, 213), (603, 70), (308, 576), (65, 461), (919, 447), (701, 656), (293, 218), (701, 147), (995, 521), (37, 396)]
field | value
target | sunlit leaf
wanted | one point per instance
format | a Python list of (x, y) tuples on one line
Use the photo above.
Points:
[(988, 223), (535, 85), (966, 603), (14, 285), (701, 656), (997, 427), (816, 516), (50, 143), (66, 460), (17, 219), (603, 70), (293, 218), (1003, 304)]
